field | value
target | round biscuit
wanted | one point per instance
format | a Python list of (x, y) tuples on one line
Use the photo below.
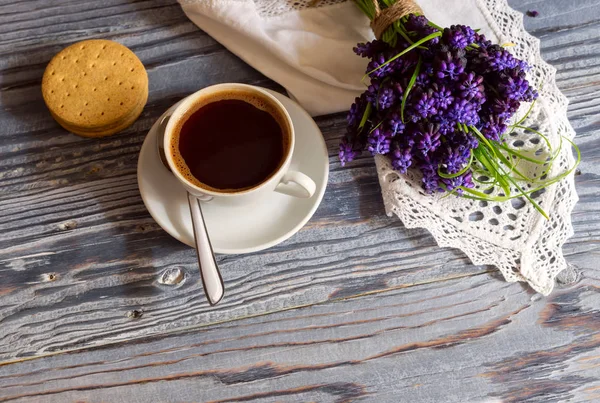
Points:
[(108, 130), (94, 84), (138, 108)]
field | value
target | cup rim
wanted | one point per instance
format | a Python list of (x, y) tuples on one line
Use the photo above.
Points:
[(190, 99)]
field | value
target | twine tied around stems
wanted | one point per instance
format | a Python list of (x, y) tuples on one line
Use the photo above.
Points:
[(386, 17)]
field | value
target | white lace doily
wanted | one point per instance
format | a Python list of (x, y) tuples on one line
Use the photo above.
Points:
[(512, 236)]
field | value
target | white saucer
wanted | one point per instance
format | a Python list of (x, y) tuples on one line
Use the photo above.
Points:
[(241, 229)]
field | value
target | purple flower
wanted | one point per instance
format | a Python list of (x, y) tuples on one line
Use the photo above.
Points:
[(370, 49), (442, 96), (455, 38), (532, 13), (415, 22), (446, 127), (376, 67), (407, 139), (386, 98), (471, 87), (493, 127), (378, 142), (422, 80), (394, 123), (371, 92), (504, 108), (430, 177), (468, 32), (482, 41), (426, 31), (363, 49), (513, 86), (462, 142), (464, 180), (401, 159), (500, 59), (398, 89), (530, 94), (463, 111), (356, 111), (458, 36), (428, 138), (449, 68), (425, 106), (470, 141), (427, 68), (455, 159), (347, 152)]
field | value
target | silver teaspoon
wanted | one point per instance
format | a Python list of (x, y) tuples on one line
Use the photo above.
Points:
[(212, 281)]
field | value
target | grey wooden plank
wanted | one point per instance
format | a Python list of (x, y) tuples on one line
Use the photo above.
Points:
[(464, 340), (78, 251)]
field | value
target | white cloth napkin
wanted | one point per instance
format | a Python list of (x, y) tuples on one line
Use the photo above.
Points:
[(308, 50)]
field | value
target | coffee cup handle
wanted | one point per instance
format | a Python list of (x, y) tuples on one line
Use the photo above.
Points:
[(296, 184)]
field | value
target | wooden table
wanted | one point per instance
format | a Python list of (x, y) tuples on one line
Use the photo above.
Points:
[(354, 307)]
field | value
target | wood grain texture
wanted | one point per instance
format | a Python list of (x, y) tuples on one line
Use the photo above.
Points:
[(81, 259), (455, 341)]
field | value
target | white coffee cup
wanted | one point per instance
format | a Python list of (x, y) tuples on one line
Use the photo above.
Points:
[(283, 180)]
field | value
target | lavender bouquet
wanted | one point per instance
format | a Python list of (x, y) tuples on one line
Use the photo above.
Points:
[(442, 100)]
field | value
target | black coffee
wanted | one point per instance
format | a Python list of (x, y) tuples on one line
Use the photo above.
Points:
[(232, 144)]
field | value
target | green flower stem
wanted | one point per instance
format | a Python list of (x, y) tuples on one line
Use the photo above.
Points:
[(489, 162), (367, 7), (536, 132), (551, 161), (508, 178), (482, 173), (409, 87), (399, 29), (526, 195), (523, 156), (389, 36), (376, 126), (431, 24), (476, 195), (365, 116), (502, 180), (512, 167), (484, 139), (489, 169), (408, 49), (527, 113)]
